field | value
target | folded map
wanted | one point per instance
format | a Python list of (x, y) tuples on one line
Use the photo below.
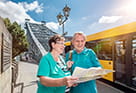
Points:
[(90, 73)]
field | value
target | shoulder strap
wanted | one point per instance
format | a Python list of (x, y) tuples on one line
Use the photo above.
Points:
[(70, 55)]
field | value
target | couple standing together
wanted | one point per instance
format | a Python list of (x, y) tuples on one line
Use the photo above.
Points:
[(53, 72)]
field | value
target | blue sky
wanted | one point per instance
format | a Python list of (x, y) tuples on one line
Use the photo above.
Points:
[(88, 16)]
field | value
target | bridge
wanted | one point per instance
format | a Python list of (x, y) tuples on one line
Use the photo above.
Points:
[(38, 35)]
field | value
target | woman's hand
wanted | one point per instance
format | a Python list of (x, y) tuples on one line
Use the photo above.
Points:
[(69, 64), (70, 81)]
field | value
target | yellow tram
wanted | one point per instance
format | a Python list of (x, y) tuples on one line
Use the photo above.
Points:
[(116, 50)]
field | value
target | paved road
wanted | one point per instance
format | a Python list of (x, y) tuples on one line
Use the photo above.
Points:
[(26, 81), (105, 88)]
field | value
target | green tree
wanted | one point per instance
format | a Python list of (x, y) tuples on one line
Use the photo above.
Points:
[(19, 40)]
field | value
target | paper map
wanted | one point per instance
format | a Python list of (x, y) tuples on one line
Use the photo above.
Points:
[(90, 73)]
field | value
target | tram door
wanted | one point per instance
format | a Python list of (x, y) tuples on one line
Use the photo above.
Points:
[(120, 61)]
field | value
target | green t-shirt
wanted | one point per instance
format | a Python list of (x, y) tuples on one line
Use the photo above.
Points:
[(86, 59), (50, 68)]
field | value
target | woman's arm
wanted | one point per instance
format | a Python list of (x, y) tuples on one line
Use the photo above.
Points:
[(66, 81)]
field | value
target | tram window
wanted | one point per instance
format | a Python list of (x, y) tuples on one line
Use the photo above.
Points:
[(105, 50), (92, 45), (134, 50), (134, 61), (120, 48), (134, 54)]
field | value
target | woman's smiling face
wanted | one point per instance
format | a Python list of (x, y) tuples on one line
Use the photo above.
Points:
[(58, 46)]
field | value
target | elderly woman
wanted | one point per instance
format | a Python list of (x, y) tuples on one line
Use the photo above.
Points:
[(85, 58), (52, 70)]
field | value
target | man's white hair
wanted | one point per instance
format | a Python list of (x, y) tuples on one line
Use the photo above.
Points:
[(79, 33)]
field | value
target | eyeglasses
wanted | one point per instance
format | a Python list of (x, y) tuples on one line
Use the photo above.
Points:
[(61, 43)]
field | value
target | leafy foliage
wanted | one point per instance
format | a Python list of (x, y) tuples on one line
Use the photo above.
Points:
[(19, 39)]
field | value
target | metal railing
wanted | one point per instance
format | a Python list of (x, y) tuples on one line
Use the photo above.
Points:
[(14, 75)]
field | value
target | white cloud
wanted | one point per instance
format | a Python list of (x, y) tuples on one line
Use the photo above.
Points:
[(14, 12), (39, 10), (17, 12), (109, 19), (53, 26), (34, 6), (84, 18)]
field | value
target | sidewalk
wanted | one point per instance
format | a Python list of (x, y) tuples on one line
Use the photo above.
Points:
[(26, 81), (105, 88)]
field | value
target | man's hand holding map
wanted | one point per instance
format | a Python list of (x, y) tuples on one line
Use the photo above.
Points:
[(90, 73)]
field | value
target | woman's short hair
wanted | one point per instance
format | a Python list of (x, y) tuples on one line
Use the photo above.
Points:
[(79, 33), (54, 39)]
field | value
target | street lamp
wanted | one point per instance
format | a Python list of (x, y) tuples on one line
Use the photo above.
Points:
[(66, 11)]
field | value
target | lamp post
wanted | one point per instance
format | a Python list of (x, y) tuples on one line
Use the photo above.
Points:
[(66, 11)]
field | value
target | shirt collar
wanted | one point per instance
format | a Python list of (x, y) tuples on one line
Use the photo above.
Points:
[(83, 52)]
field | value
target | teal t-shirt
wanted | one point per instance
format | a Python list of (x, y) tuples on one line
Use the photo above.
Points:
[(86, 59), (50, 68)]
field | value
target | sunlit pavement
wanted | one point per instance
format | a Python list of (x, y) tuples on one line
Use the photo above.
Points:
[(105, 88), (26, 81)]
